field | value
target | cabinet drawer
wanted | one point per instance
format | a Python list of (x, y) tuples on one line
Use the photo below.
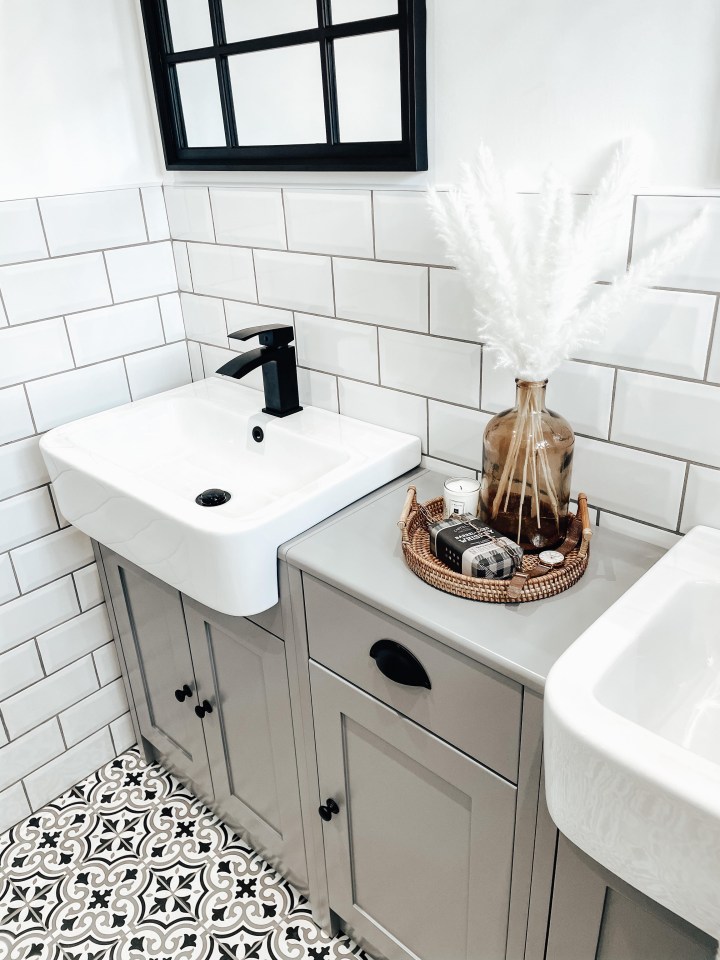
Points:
[(469, 705)]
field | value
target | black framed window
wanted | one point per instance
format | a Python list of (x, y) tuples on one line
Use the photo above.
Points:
[(289, 84)]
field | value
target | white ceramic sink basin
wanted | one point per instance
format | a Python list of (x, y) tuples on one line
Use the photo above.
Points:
[(632, 734), (129, 478)]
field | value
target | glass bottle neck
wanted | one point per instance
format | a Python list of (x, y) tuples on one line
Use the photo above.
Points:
[(532, 391)]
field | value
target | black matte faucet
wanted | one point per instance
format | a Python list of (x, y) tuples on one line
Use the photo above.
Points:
[(277, 359)]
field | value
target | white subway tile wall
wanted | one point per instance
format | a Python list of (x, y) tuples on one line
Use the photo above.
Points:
[(89, 319), (385, 331), (135, 291)]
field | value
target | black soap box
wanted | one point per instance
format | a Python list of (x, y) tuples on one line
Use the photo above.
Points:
[(468, 546)]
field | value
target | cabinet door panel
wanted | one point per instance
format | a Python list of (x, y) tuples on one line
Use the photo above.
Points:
[(595, 916), (241, 671), (153, 635), (419, 856)]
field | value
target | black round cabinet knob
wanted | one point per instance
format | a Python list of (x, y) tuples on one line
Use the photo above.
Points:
[(181, 695), (205, 707), (327, 809)]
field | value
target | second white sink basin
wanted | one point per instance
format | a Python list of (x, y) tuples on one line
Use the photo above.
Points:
[(632, 734), (128, 477)]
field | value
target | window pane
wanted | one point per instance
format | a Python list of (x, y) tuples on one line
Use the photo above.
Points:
[(200, 99), (278, 96), (368, 84), (346, 10), (248, 19), (189, 24)]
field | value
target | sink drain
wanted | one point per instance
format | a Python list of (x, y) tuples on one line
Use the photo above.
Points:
[(213, 497)]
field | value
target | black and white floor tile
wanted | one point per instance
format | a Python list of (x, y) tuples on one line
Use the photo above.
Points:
[(129, 865)]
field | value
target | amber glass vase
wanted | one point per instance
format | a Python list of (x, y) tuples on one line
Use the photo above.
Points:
[(527, 465)]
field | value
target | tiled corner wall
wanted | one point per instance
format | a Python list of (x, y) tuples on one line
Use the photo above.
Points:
[(89, 318), (385, 332)]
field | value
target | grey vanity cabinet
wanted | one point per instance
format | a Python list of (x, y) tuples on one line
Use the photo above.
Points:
[(596, 916), (212, 700), (151, 631), (419, 854), (242, 673)]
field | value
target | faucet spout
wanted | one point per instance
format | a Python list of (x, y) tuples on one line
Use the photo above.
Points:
[(277, 359), (243, 363)]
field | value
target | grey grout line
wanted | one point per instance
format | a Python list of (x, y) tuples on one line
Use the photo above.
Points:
[(631, 239), (72, 352), (282, 203), (27, 795), (190, 271), (332, 284), (318, 253), (17, 579), (42, 227), (212, 215), (377, 341), (713, 326), (54, 507), (612, 405), (40, 657), (100, 306), (372, 223), (682, 497), (97, 673), (4, 728), (127, 379), (427, 423), (77, 592), (160, 313), (112, 738), (142, 210), (84, 366), (257, 292), (43, 536), (54, 673), (93, 251), (107, 274), (30, 409), (4, 310)]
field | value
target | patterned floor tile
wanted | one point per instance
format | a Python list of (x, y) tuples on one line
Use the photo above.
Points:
[(99, 902), (181, 830), (179, 939), (31, 943), (129, 865), (126, 784), (243, 894), (51, 842)]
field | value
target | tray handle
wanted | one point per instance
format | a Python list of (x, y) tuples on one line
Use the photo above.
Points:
[(585, 519), (409, 506)]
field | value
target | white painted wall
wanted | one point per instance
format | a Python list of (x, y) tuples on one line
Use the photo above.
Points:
[(557, 81), (75, 113)]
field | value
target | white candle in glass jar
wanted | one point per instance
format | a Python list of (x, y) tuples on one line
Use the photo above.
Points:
[(461, 495)]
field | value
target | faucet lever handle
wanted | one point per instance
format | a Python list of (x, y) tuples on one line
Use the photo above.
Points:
[(270, 334)]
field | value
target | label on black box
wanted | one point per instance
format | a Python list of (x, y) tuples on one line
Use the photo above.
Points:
[(467, 546)]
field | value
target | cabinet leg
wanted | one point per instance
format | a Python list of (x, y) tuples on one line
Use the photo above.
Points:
[(146, 750)]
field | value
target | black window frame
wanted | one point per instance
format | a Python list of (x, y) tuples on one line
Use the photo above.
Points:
[(408, 153)]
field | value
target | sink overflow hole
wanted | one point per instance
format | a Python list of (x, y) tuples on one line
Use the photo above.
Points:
[(258, 435), (213, 497)]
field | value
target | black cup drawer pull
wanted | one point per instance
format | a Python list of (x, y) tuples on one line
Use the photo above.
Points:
[(327, 809), (399, 664), (204, 708), (183, 694)]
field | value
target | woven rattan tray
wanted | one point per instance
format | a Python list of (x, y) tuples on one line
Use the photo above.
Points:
[(423, 563)]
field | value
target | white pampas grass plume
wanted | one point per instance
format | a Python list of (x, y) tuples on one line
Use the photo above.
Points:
[(533, 287)]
